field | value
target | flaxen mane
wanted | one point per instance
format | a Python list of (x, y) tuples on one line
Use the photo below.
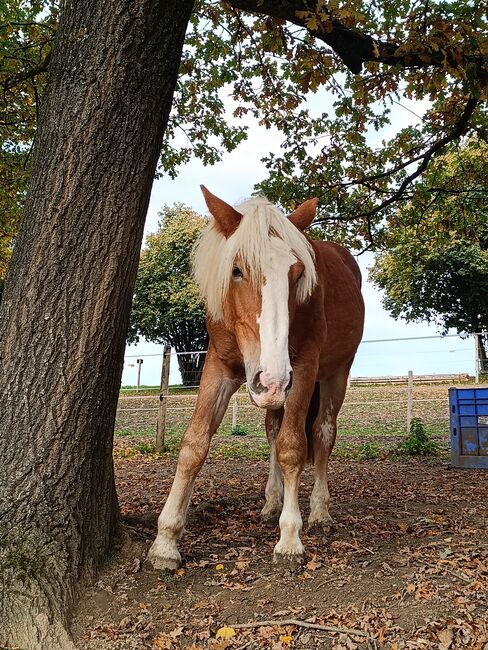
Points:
[(263, 232)]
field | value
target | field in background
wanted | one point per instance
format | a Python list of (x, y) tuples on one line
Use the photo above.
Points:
[(372, 421)]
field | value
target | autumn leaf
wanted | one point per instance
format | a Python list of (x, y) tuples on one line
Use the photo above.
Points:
[(174, 634), (313, 564), (445, 638), (241, 564), (225, 632)]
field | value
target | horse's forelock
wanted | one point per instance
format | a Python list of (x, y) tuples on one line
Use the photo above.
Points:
[(263, 228)]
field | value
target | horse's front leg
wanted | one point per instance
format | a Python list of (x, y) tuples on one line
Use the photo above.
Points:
[(291, 449), (274, 486), (332, 393), (216, 387)]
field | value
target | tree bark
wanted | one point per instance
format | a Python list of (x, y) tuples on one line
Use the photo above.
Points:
[(65, 308)]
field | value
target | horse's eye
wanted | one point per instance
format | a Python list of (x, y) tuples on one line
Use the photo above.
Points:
[(300, 276), (237, 273)]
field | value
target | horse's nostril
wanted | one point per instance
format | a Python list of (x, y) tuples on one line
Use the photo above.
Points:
[(290, 382), (257, 386)]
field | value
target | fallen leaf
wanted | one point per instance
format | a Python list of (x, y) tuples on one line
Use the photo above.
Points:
[(225, 632), (445, 638), (163, 642), (241, 564), (313, 564), (176, 632)]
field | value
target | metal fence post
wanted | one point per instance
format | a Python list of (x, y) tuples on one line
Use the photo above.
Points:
[(477, 361), (163, 399), (139, 366), (409, 399)]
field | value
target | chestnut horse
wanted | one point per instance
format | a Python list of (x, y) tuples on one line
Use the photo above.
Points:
[(284, 314)]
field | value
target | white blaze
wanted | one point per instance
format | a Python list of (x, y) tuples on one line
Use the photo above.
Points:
[(274, 320)]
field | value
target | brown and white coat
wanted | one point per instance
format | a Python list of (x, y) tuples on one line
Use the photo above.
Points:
[(285, 315)]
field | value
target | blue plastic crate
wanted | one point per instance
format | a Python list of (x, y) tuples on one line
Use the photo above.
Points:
[(469, 427)]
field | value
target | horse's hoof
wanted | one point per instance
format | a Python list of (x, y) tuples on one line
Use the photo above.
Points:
[(288, 556), (320, 526), (270, 515), (288, 560), (163, 558), (157, 563)]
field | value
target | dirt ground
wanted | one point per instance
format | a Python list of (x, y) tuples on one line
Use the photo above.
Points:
[(406, 565)]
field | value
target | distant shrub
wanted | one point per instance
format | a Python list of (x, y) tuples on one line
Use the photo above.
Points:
[(418, 442)]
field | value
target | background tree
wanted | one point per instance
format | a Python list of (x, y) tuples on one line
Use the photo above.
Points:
[(108, 94), (166, 307), (26, 34), (435, 266)]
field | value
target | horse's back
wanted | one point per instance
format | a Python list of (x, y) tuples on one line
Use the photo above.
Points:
[(336, 257), (341, 302)]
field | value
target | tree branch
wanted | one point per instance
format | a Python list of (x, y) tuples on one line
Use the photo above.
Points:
[(456, 132), (299, 623), (353, 46), (31, 73)]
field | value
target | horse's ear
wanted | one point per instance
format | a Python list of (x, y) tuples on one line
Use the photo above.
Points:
[(226, 217), (303, 216)]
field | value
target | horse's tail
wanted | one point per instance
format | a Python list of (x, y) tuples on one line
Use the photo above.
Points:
[(313, 410)]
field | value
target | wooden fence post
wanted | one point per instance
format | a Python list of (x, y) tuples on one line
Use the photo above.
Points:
[(234, 413), (163, 400), (409, 399)]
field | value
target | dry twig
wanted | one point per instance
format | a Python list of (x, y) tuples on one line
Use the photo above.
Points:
[(294, 621)]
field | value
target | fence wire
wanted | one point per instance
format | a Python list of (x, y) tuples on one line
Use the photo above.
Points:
[(380, 404)]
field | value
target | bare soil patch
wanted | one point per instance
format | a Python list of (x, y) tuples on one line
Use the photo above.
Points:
[(406, 565)]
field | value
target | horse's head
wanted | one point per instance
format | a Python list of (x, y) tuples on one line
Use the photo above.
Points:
[(254, 266)]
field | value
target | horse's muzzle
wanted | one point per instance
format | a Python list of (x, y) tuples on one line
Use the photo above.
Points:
[(269, 395)]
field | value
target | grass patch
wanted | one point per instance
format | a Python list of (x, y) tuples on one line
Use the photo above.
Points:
[(359, 451), (145, 448), (125, 432), (255, 450), (357, 429), (354, 441), (240, 430)]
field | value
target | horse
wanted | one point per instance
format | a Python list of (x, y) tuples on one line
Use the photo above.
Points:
[(285, 315)]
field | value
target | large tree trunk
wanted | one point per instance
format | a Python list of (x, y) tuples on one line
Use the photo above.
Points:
[(65, 308)]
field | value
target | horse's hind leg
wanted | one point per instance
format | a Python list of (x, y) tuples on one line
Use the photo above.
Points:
[(332, 392), (274, 486), (216, 388)]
